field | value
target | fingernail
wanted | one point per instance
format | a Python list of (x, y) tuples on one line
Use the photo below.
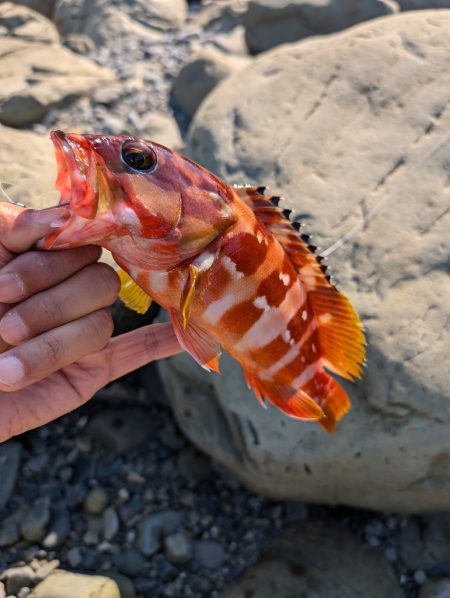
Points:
[(11, 287), (11, 370), (13, 329)]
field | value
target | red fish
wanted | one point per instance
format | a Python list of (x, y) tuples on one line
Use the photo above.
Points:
[(226, 262)]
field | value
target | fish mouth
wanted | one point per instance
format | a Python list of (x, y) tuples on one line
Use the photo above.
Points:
[(83, 189), (77, 179)]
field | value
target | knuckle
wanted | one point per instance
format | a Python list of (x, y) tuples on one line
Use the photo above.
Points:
[(102, 325), (52, 349)]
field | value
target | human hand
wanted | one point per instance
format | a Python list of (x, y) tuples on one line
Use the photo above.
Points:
[(56, 349)]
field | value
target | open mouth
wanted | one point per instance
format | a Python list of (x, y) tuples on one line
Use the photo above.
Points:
[(77, 173)]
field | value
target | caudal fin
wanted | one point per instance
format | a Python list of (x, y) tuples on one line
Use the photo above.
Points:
[(322, 399)]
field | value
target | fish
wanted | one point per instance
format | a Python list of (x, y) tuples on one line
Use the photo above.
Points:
[(228, 263)]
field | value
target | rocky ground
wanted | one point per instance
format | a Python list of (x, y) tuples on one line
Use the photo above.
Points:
[(114, 500)]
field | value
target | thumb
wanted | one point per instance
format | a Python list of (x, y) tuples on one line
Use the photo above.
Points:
[(21, 228)]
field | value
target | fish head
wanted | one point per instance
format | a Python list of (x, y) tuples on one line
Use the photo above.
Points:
[(122, 191)]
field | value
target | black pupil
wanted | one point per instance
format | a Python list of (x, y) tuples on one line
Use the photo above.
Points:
[(138, 158)]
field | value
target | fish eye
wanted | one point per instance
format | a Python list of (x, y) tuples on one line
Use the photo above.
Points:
[(139, 156)]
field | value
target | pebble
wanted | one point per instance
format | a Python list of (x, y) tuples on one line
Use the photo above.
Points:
[(420, 577), (58, 531), (90, 538), (111, 523), (37, 463), (96, 501), (18, 577), (74, 557), (130, 562), (208, 553), (178, 548), (34, 523), (153, 528)]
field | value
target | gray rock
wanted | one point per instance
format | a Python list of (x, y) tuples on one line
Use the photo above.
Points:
[(153, 528), (64, 584), (58, 531), (200, 75), (18, 577), (74, 557), (162, 128), (269, 23), (9, 532), (100, 21), (178, 548), (425, 543), (37, 463), (422, 4), (316, 559), (26, 24), (34, 524), (45, 7), (208, 553), (96, 501), (9, 466), (339, 140), (435, 589), (120, 430), (110, 523), (31, 81), (130, 562)]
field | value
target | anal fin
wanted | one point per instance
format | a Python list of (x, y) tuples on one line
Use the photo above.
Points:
[(294, 402), (197, 342)]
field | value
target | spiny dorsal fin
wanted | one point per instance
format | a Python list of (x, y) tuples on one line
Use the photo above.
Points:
[(340, 331)]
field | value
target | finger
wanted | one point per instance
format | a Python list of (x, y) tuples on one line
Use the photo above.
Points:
[(21, 228), (35, 271), (51, 351), (139, 347), (94, 287)]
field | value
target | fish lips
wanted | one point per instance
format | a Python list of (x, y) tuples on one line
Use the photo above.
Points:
[(77, 179)]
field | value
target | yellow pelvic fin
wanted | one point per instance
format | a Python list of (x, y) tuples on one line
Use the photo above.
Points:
[(188, 295), (132, 295)]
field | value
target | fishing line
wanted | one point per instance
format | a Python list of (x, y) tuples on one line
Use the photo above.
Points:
[(22, 205), (370, 214)]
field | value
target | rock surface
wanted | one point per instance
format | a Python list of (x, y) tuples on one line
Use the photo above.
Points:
[(32, 81), (341, 140), (269, 23), (200, 75), (9, 468), (314, 560), (30, 186), (45, 7), (26, 24), (64, 584)]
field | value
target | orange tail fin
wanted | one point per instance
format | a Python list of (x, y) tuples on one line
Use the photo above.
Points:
[(322, 399)]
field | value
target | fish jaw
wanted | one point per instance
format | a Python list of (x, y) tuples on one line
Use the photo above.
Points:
[(86, 192)]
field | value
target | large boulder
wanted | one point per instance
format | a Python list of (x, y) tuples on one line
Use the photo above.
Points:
[(37, 76), (28, 168), (26, 24), (198, 77), (45, 7), (269, 23), (103, 22), (347, 127), (312, 560)]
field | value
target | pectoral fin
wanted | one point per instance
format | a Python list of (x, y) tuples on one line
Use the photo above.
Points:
[(198, 342), (188, 294), (132, 295)]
